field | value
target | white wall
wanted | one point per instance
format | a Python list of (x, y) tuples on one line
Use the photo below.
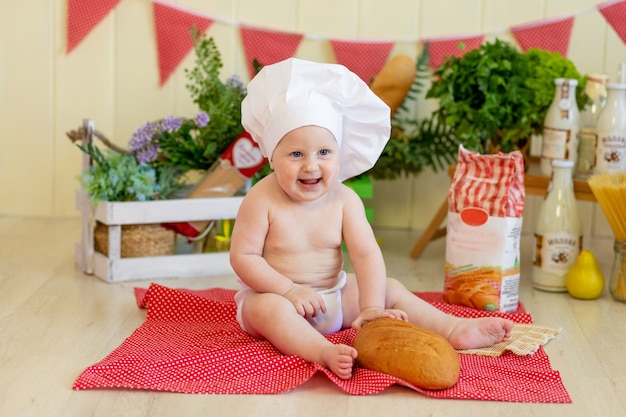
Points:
[(112, 77)]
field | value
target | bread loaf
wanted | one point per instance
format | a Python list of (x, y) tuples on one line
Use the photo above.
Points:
[(475, 292), (415, 355), (394, 80)]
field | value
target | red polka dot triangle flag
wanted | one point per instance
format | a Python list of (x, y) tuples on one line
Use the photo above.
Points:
[(268, 46), (552, 35), (441, 48), (365, 59), (83, 16), (190, 342), (615, 13), (173, 35)]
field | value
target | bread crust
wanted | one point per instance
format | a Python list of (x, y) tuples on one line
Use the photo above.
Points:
[(394, 80), (415, 355)]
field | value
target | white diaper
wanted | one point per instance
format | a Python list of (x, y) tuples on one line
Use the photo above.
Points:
[(325, 323)]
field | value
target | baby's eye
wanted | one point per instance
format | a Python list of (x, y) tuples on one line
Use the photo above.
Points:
[(296, 154), (324, 152)]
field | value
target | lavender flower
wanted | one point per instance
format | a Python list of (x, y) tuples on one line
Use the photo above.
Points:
[(142, 144), (235, 82), (202, 119), (171, 124), (147, 154)]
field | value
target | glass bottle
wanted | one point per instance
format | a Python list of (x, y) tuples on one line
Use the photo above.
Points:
[(611, 129), (561, 126), (558, 231), (596, 91), (617, 283)]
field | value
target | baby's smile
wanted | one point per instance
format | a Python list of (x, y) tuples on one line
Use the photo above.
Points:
[(310, 181)]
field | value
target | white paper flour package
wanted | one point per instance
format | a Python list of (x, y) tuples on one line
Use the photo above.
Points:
[(485, 206)]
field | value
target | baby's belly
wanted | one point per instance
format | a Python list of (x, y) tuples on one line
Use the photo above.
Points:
[(319, 272)]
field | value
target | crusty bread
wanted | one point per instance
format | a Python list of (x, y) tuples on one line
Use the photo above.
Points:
[(474, 292), (415, 355), (394, 80)]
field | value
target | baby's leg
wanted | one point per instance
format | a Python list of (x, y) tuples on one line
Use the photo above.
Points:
[(462, 333), (274, 318)]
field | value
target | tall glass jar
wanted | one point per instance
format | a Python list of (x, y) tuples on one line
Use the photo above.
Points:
[(561, 126), (617, 283), (558, 231), (596, 91)]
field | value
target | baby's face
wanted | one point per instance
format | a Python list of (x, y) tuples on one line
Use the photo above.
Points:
[(306, 162)]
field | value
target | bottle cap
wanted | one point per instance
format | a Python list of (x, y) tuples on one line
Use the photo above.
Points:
[(562, 163), (570, 81), (616, 86)]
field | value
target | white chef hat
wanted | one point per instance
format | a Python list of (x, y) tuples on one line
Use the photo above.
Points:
[(295, 93)]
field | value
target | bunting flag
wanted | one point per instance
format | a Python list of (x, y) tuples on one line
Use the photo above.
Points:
[(615, 13), (268, 47), (173, 35), (441, 48), (365, 59), (552, 35), (83, 16)]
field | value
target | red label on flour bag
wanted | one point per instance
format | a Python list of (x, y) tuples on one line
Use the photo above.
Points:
[(485, 206)]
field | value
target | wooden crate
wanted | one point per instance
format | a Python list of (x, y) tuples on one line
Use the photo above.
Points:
[(114, 268)]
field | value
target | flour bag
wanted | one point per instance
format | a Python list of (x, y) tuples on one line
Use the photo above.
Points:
[(484, 225)]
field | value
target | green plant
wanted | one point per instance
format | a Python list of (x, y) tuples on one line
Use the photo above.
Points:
[(220, 100), (495, 96), (120, 177), (546, 67), (484, 97)]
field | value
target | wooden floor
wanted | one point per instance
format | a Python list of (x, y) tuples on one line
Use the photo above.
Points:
[(55, 321)]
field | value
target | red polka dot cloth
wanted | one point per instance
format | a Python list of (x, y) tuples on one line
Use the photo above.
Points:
[(190, 342)]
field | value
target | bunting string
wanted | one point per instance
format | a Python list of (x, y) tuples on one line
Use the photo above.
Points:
[(267, 45)]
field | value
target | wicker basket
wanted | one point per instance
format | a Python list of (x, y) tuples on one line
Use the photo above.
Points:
[(138, 240)]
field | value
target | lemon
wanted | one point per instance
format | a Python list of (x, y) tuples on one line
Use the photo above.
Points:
[(585, 279)]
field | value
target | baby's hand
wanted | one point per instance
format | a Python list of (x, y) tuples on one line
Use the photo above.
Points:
[(308, 302), (374, 313)]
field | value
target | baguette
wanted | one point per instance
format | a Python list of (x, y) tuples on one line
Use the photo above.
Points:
[(394, 80), (415, 355)]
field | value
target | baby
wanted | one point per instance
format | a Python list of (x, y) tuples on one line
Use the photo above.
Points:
[(319, 124)]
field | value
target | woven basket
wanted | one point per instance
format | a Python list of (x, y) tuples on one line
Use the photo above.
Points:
[(137, 240)]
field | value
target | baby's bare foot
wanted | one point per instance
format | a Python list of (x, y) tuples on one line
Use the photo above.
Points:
[(480, 332), (339, 359)]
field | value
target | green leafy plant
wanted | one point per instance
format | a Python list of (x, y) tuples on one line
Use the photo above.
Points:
[(484, 98), (120, 177), (546, 67), (495, 96), (220, 100)]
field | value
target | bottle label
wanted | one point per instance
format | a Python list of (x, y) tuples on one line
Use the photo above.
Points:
[(586, 151), (611, 152), (556, 143), (556, 252)]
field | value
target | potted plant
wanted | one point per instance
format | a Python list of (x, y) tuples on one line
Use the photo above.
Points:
[(161, 152), (495, 96)]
